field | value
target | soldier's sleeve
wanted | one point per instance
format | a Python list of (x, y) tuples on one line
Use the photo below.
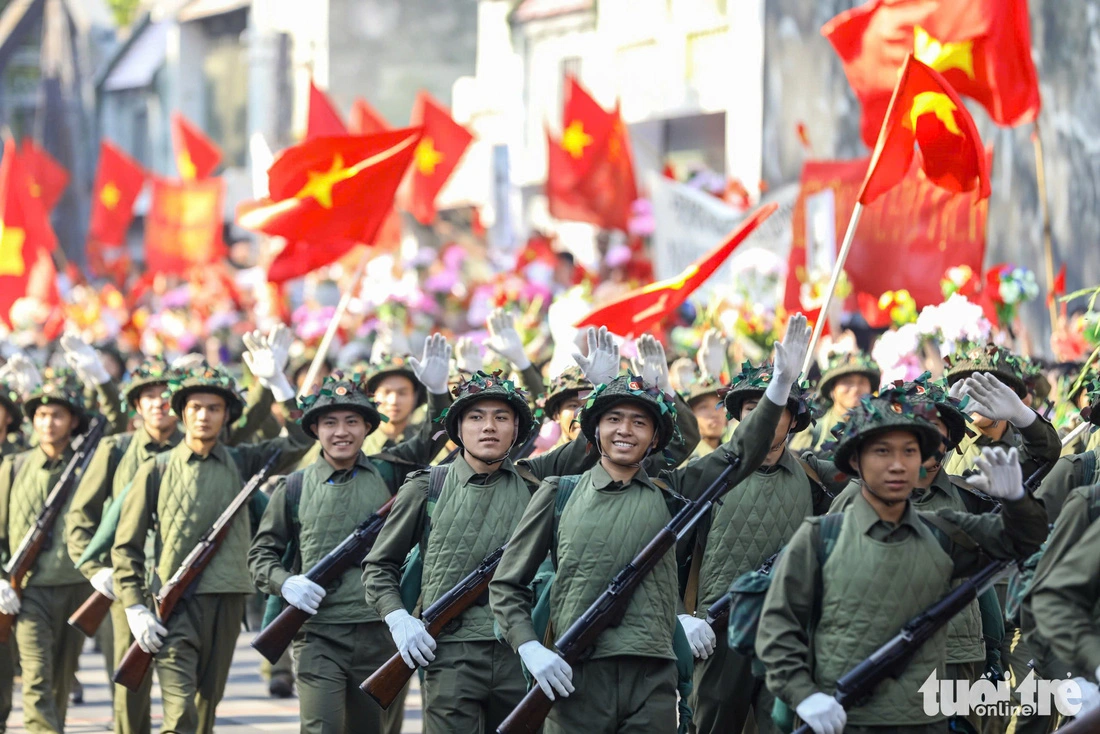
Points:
[(403, 529), (680, 449), (532, 381), (509, 591), (1016, 532), (5, 499), (841, 501), (1040, 445), (751, 441), (128, 553), (110, 405), (571, 458), (86, 509), (257, 410), (1067, 587), (430, 437), (1057, 485), (783, 639), (295, 445), (265, 556)]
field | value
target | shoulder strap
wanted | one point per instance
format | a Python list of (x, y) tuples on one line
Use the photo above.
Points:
[(828, 530), (528, 476), (121, 444), (293, 497), (1094, 503), (566, 485), (17, 463), (947, 533), (437, 476), (1087, 472)]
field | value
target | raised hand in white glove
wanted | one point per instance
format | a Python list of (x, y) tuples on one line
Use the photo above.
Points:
[(822, 713), (1000, 474), (145, 628), (302, 593), (187, 361), (9, 600), (434, 366), (19, 371), (993, 399), (411, 637), (699, 635), (84, 360), (602, 363), (267, 357), (789, 355), (103, 582), (505, 340), (467, 355), (548, 669), (712, 354), (1085, 694), (651, 364)]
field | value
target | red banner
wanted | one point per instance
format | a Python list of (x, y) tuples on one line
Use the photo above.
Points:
[(184, 224), (906, 239)]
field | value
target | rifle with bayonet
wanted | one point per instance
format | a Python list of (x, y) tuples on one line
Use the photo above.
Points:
[(135, 664)]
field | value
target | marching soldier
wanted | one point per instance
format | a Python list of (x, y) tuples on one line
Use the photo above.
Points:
[(710, 413), (847, 378), (564, 398), (607, 516), (1075, 470), (11, 420), (857, 577)]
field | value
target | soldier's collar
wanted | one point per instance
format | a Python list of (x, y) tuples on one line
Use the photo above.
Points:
[(464, 472), (327, 470), (866, 518), (218, 452), (148, 441), (602, 480), (45, 461)]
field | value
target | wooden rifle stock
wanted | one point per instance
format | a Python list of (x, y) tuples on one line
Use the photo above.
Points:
[(135, 663), (91, 613), (387, 682), (276, 637)]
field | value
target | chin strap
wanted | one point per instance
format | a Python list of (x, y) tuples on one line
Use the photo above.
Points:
[(879, 497)]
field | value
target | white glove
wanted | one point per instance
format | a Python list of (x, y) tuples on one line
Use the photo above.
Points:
[(434, 366), (548, 669), (467, 355), (995, 400), (9, 600), (699, 635), (84, 360), (788, 358), (712, 354), (145, 628), (103, 582), (1001, 476), (19, 372), (267, 357), (505, 340), (651, 365), (1086, 694), (822, 713), (187, 362), (302, 593), (601, 366), (411, 637)]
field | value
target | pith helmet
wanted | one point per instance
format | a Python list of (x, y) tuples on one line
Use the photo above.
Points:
[(891, 410), (338, 392), (482, 386), (60, 387), (751, 384), (997, 361), (630, 388), (207, 379)]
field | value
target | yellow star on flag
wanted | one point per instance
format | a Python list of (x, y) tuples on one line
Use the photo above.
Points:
[(187, 168), (35, 189), (937, 103), (943, 56), (109, 195), (11, 250), (574, 139), (426, 157), (320, 183)]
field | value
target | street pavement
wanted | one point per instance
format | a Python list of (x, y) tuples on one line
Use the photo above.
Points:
[(246, 709)]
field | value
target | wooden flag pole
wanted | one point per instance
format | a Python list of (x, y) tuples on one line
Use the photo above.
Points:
[(1044, 206), (1072, 435), (841, 258), (333, 325)]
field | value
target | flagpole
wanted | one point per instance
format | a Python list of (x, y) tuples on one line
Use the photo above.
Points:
[(841, 258), (1044, 205), (1072, 435), (333, 325)]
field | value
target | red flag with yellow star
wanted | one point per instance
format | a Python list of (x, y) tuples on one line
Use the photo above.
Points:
[(437, 155), (365, 120), (323, 117), (118, 181), (640, 310), (332, 189), (184, 225), (48, 179), (982, 48), (925, 111), (585, 128), (196, 155)]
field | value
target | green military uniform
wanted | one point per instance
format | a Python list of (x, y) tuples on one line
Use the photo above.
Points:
[(178, 499), (346, 641), (14, 442), (840, 365), (629, 681), (48, 648)]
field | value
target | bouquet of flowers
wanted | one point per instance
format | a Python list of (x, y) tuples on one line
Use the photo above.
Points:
[(900, 305), (954, 322), (1007, 287)]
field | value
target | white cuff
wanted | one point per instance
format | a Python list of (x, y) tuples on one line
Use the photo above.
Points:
[(778, 392)]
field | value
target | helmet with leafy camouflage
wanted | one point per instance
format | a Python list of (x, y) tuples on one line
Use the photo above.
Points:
[(997, 361), (60, 386), (1091, 412), (482, 386), (338, 392), (891, 410), (1034, 380), (702, 389), (630, 388), (152, 371), (9, 398), (950, 410), (399, 366), (563, 388), (205, 379), (849, 363), (752, 382)]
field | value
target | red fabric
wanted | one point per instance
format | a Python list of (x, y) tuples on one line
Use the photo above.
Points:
[(118, 182), (437, 155), (924, 229), (982, 47), (323, 118), (365, 120), (1059, 286), (925, 111), (641, 310), (196, 155), (184, 225), (48, 178)]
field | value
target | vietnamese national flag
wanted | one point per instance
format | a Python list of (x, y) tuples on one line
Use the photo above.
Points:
[(927, 112), (323, 117), (118, 182), (982, 48), (365, 120), (184, 225), (48, 178), (637, 312), (585, 127), (196, 155), (437, 155)]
